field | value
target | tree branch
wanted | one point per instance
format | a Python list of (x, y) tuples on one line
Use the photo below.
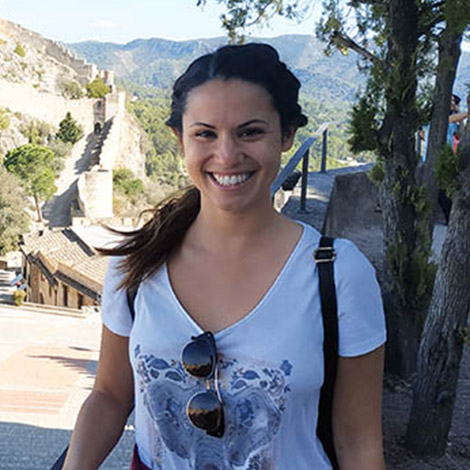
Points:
[(345, 41), (369, 2), (436, 18)]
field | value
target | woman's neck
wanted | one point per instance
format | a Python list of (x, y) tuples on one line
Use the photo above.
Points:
[(233, 233)]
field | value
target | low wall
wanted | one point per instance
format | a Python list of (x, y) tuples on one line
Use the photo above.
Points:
[(353, 205)]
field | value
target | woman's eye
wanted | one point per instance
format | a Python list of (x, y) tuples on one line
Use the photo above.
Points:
[(205, 134), (251, 132)]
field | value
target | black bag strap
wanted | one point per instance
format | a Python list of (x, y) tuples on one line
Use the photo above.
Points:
[(131, 294), (59, 463), (324, 256)]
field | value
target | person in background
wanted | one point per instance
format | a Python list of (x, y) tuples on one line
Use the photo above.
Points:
[(224, 357), (452, 139), (453, 136)]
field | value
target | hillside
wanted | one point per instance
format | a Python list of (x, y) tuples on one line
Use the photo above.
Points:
[(28, 58), (40, 82)]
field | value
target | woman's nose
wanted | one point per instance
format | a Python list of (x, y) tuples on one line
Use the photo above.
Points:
[(228, 149)]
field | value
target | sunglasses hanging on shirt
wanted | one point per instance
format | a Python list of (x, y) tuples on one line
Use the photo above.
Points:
[(204, 409)]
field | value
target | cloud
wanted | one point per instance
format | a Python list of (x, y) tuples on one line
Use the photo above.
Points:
[(104, 24)]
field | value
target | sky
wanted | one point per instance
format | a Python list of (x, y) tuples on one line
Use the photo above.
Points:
[(121, 21)]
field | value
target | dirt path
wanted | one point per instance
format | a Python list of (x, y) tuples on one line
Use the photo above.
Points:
[(396, 408)]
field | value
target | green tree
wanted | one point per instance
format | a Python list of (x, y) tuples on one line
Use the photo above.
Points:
[(13, 220), (97, 88), (69, 130), (33, 164)]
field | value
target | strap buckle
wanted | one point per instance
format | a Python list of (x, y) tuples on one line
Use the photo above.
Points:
[(324, 254)]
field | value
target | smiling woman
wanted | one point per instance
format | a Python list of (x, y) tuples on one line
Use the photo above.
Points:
[(224, 355)]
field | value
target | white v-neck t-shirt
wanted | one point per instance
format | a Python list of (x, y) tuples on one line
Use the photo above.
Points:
[(271, 364)]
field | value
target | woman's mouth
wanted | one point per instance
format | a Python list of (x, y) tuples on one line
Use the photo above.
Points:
[(231, 180)]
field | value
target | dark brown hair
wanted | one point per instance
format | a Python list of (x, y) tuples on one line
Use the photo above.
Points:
[(147, 248)]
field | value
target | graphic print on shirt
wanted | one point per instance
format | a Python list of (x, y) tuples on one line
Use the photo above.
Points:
[(254, 399)]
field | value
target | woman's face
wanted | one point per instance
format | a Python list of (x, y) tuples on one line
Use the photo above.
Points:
[(232, 142)]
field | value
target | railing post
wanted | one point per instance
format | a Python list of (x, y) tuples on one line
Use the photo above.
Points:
[(324, 148), (303, 193)]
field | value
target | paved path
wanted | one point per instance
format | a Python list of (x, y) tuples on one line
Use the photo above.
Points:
[(47, 367), (57, 210)]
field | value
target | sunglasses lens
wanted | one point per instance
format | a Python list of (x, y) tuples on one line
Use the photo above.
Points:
[(205, 411), (198, 358)]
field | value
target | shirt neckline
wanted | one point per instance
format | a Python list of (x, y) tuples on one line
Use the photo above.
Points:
[(254, 311)]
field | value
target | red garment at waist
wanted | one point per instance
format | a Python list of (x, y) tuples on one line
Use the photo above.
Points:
[(136, 463)]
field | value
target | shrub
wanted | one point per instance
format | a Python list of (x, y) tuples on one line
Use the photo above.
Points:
[(69, 130), (71, 89), (19, 297), (125, 182), (19, 49), (60, 148), (37, 132), (97, 88), (4, 119)]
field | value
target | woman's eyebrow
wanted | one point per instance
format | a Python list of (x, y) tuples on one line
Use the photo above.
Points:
[(202, 124), (252, 121), (245, 124)]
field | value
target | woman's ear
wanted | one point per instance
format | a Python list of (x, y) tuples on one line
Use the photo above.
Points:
[(288, 138)]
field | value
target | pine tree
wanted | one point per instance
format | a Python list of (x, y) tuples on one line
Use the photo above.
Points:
[(69, 130)]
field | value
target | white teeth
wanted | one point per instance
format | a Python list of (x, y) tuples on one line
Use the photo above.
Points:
[(225, 180)]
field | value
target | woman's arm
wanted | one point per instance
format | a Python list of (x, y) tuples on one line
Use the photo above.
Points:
[(104, 413), (357, 412), (457, 117)]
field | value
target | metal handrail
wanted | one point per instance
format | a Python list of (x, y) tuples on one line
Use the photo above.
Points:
[(303, 152)]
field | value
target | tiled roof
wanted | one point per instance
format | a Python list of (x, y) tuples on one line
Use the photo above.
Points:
[(67, 252)]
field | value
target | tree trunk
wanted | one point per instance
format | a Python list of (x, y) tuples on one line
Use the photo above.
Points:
[(449, 56), (38, 209), (445, 329), (397, 148)]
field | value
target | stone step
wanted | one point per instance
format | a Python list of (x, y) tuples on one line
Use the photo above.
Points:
[(53, 310)]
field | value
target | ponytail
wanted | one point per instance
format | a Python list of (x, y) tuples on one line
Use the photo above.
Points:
[(147, 248)]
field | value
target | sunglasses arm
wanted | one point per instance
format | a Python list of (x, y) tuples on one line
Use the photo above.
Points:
[(216, 383)]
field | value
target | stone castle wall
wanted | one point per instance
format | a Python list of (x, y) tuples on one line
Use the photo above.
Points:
[(23, 98), (85, 71)]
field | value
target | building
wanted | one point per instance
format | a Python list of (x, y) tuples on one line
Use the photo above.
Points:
[(63, 269)]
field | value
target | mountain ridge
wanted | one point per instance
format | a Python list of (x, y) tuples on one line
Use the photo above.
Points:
[(157, 62)]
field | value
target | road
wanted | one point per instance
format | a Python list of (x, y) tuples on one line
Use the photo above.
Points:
[(47, 367)]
